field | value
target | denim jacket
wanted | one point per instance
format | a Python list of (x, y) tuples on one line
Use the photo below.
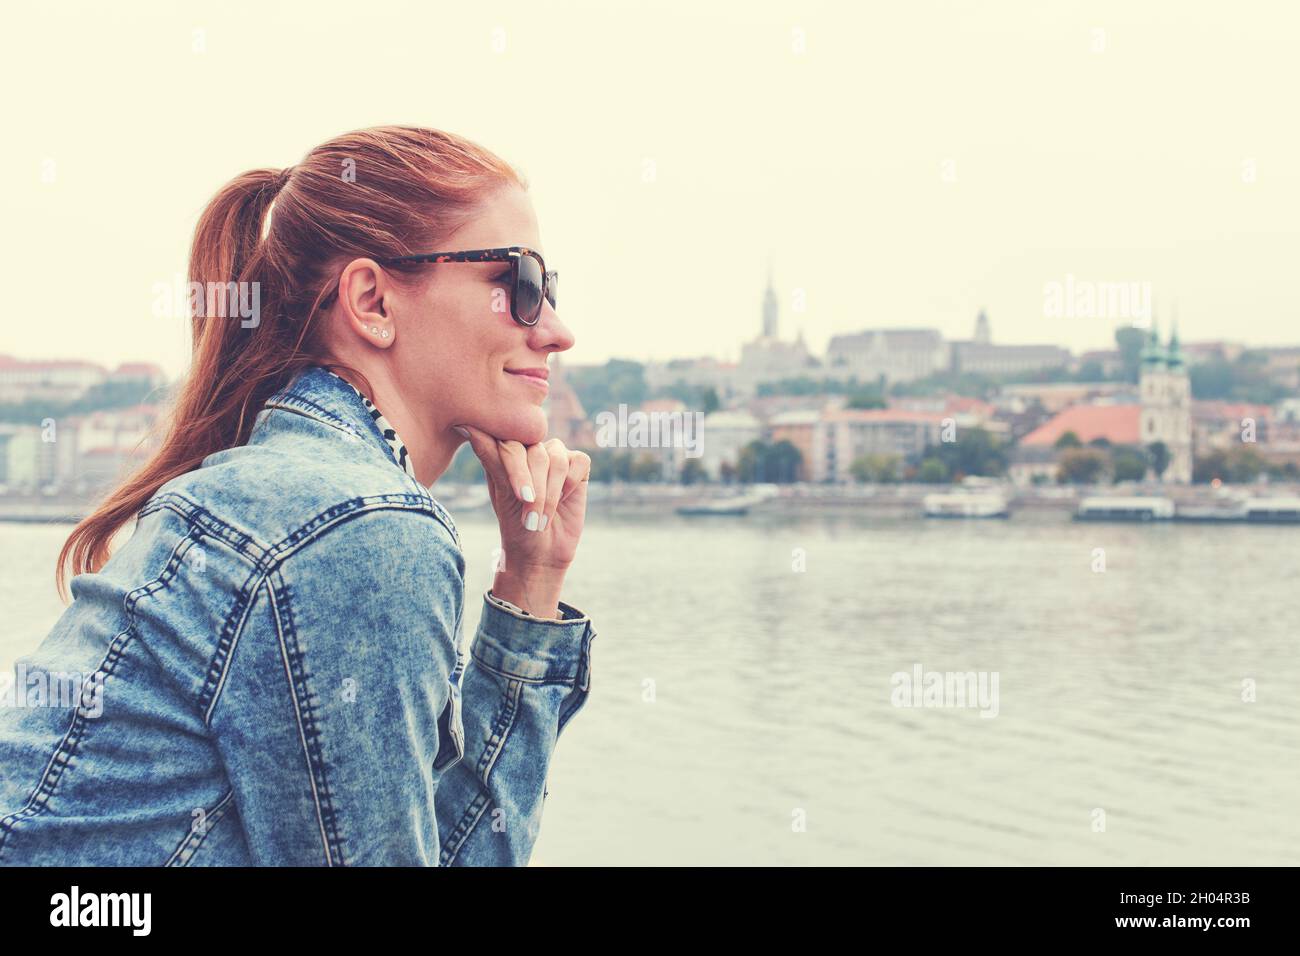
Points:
[(270, 671)]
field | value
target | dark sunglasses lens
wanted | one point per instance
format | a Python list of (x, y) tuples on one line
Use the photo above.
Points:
[(528, 290)]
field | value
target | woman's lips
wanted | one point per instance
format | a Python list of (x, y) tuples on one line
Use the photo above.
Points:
[(535, 376)]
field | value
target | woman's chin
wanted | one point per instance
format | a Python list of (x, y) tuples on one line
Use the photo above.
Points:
[(527, 426)]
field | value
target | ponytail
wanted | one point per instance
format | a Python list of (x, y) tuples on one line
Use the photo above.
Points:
[(378, 192)]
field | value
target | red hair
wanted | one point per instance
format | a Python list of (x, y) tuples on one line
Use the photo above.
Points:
[(384, 191)]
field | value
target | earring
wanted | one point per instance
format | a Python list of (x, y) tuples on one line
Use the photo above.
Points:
[(383, 334)]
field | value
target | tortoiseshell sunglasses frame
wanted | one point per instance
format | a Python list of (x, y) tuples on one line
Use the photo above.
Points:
[(511, 254)]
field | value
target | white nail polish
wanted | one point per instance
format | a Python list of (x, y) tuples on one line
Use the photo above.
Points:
[(531, 521), (542, 526), (527, 493)]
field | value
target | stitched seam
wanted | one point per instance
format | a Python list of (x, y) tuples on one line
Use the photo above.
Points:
[(213, 527), (308, 731), (192, 840), (298, 405), (66, 749), (508, 675), (346, 510), (501, 729), (304, 407), (269, 563)]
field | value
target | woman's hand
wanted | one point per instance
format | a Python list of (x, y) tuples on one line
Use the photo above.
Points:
[(539, 494)]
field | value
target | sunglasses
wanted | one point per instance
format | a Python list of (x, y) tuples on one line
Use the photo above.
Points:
[(530, 283)]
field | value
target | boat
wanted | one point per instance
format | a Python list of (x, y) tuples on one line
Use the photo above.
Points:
[(730, 505), (1208, 514), (1272, 511), (1116, 508), (966, 504)]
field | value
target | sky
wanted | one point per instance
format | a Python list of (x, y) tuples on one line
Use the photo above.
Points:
[(893, 164)]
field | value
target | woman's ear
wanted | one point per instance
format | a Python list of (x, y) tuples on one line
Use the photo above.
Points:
[(363, 287)]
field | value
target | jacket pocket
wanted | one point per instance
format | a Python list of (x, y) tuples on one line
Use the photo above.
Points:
[(451, 730)]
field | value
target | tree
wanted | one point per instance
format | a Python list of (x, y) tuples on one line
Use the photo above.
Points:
[(1090, 371), (865, 400), (645, 467), (1068, 440), (1129, 340), (782, 462), (608, 464), (749, 462), (605, 387), (876, 467), (975, 452), (759, 461), (710, 400), (1160, 457), (693, 472), (932, 471), (1081, 466), (1128, 464)]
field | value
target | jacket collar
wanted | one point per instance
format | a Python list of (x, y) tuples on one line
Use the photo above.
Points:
[(325, 397)]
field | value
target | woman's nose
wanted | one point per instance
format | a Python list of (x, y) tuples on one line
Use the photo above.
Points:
[(550, 334)]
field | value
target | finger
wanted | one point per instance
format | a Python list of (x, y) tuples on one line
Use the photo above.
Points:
[(515, 464), (579, 472), (539, 463), (555, 475)]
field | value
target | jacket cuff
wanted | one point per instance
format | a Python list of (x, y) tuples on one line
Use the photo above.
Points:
[(533, 648)]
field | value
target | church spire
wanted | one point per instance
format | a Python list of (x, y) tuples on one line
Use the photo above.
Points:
[(1152, 353), (1174, 357), (770, 307)]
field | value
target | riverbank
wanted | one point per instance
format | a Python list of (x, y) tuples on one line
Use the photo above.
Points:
[(619, 498)]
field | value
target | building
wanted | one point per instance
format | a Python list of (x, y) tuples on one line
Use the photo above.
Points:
[(894, 355), (66, 380), (980, 356), (1115, 424), (767, 358), (1196, 353), (1282, 365), (1217, 424), (725, 434), (27, 463), (849, 433), (1109, 362), (565, 416), (51, 381), (81, 454), (1162, 413), (800, 428), (1055, 397), (672, 428), (1166, 396)]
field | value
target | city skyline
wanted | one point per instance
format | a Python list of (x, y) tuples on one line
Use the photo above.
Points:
[(1112, 143)]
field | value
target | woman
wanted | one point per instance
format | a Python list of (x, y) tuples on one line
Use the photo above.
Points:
[(269, 670)]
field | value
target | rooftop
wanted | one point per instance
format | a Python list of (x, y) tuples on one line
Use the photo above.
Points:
[(1119, 424)]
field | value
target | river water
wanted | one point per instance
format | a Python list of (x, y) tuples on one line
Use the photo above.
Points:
[(744, 704)]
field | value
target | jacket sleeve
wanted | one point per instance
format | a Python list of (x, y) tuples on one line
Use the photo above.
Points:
[(523, 680), (334, 714)]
